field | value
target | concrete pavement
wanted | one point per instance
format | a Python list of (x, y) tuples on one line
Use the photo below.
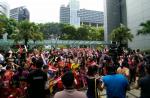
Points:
[(130, 94)]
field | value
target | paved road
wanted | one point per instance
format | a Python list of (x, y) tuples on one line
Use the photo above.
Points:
[(130, 94)]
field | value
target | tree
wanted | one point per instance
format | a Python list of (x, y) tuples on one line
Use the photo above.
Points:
[(11, 27), (121, 35), (3, 24), (26, 31), (82, 33), (96, 33), (37, 35), (7, 25), (68, 32), (145, 28), (49, 29)]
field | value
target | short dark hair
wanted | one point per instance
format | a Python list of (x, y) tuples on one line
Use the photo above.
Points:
[(111, 69), (68, 79), (39, 63), (92, 70), (8, 67)]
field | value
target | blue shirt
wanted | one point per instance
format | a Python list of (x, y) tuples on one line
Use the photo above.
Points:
[(116, 85)]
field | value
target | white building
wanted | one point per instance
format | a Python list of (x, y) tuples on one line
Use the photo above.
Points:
[(74, 7), (73, 15)]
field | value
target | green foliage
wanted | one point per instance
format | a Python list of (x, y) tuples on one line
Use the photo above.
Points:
[(100, 47), (96, 33), (7, 25), (62, 46), (68, 32), (3, 24), (145, 28), (121, 35), (82, 33), (11, 27), (27, 31), (49, 29)]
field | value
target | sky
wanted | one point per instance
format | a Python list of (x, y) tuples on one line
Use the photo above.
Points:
[(42, 11)]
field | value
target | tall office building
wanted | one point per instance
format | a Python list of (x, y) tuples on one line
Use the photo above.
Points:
[(20, 13), (65, 14), (90, 17), (71, 14), (115, 14), (130, 13), (4, 8), (74, 7)]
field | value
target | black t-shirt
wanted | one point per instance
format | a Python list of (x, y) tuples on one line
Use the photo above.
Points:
[(91, 86), (36, 80), (144, 83)]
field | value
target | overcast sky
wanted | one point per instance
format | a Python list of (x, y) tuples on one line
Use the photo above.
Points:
[(42, 11)]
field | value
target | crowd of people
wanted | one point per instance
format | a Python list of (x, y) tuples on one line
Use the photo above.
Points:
[(42, 74)]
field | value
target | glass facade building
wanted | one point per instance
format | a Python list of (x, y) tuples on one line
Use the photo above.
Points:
[(114, 15), (20, 13), (4, 8), (65, 14), (69, 14), (90, 17), (75, 16), (74, 7)]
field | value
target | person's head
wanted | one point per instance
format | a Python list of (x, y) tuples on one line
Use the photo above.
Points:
[(39, 63), (66, 69), (8, 67), (68, 79), (92, 70), (20, 69), (138, 50), (124, 64), (111, 69), (108, 59)]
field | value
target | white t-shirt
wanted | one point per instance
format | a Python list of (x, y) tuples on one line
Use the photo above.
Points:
[(70, 94)]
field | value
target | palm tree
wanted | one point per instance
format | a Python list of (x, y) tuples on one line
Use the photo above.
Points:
[(121, 35), (145, 28), (26, 31)]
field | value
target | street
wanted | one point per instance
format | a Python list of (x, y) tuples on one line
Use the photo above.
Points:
[(134, 93)]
